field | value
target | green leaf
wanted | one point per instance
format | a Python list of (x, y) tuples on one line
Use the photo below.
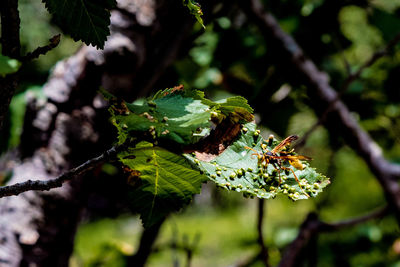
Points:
[(238, 106), (168, 181), (8, 65), (239, 169), (195, 10), (183, 120), (235, 107), (86, 20), (182, 116)]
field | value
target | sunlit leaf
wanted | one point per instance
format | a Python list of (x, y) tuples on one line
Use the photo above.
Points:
[(182, 116), (167, 181), (239, 169)]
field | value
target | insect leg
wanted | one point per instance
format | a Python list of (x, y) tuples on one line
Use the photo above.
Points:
[(251, 149), (278, 168), (258, 154), (297, 180)]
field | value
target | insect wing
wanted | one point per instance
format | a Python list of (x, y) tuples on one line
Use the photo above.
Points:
[(293, 158), (288, 140)]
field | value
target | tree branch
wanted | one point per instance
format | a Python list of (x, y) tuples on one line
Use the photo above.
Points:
[(10, 23), (147, 240), (260, 222), (340, 119), (45, 185), (313, 226), (263, 253), (10, 43), (42, 50)]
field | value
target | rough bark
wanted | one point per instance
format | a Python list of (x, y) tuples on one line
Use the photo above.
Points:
[(37, 228)]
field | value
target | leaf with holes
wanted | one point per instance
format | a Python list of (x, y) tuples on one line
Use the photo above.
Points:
[(181, 119), (175, 114), (86, 20), (167, 181)]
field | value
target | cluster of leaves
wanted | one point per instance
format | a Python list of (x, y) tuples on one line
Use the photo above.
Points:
[(162, 128)]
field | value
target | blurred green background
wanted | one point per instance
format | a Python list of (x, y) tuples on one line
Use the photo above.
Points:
[(231, 57)]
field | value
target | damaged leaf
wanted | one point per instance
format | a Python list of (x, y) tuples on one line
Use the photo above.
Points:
[(239, 169)]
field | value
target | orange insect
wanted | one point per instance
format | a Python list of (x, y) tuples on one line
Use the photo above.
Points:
[(277, 156)]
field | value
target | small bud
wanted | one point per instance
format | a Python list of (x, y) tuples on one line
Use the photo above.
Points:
[(214, 115), (270, 140)]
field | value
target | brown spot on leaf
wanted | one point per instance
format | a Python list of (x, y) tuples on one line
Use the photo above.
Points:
[(119, 107), (216, 143), (133, 175), (148, 116), (175, 89)]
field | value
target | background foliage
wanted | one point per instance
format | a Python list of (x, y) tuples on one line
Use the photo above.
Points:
[(230, 57)]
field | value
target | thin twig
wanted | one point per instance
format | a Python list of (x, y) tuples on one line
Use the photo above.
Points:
[(42, 50), (313, 226), (149, 236), (45, 185), (260, 222), (329, 227), (263, 253)]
